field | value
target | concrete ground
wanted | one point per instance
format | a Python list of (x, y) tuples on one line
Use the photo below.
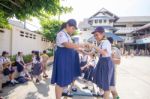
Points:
[(133, 82)]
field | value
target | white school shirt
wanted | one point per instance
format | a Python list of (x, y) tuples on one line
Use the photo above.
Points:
[(84, 58), (106, 45), (4, 60), (62, 37), (19, 59), (35, 61), (1, 63)]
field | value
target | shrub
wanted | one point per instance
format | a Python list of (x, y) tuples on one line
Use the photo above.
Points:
[(27, 58)]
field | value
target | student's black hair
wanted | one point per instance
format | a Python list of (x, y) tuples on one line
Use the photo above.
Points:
[(110, 39), (44, 51), (32, 51), (63, 26), (4, 53), (19, 53), (37, 55)]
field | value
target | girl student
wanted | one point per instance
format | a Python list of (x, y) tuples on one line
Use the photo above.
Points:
[(104, 71), (37, 66), (66, 59)]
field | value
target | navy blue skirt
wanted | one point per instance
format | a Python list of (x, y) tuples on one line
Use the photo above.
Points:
[(104, 73), (37, 69), (66, 67), (89, 73)]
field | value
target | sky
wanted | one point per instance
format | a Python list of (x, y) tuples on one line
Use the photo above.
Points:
[(86, 8)]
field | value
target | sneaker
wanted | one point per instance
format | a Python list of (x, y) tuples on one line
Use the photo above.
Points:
[(16, 82), (86, 87), (74, 89), (12, 83)]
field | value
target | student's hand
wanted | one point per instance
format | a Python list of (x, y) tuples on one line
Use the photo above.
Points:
[(82, 68), (79, 49)]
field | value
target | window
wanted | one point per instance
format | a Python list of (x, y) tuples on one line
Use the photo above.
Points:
[(30, 35), (34, 36), (96, 21), (100, 21), (105, 21), (21, 33), (26, 35), (110, 21), (137, 25), (119, 25)]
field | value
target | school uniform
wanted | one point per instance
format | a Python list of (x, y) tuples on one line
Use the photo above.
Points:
[(104, 71), (66, 65), (20, 67), (84, 60), (37, 67), (9, 70), (90, 71)]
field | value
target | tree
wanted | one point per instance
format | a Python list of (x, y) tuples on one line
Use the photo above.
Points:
[(24, 9), (3, 21), (50, 28)]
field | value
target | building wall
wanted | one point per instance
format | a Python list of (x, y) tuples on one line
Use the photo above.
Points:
[(5, 40), (23, 40)]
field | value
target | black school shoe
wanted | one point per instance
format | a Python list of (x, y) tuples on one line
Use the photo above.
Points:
[(37, 81), (67, 94), (74, 89)]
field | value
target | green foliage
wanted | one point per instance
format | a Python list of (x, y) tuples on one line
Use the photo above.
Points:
[(76, 32), (13, 58), (24, 9), (3, 21), (50, 28), (50, 52), (27, 58)]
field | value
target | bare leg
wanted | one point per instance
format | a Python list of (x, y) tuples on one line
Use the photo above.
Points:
[(114, 92), (44, 70), (58, 91), (106, 94)]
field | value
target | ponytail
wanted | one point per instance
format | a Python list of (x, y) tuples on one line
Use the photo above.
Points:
[(63, 26)]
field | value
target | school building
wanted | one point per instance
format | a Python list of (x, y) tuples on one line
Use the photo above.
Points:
[(116, 26), (20, 39)]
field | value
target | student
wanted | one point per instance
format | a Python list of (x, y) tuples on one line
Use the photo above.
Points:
[(84, 59), (104, 71), (116, 58), (7, 69), (45, 58), (20, 62), (37, 66), (89, 68), (66, 59)]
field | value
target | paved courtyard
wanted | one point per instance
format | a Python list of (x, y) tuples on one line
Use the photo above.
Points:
[(133, 82)]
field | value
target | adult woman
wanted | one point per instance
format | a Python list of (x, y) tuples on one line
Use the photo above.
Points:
[(66, 60)]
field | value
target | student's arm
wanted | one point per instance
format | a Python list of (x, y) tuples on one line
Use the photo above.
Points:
[(101, 51), (71, 45)]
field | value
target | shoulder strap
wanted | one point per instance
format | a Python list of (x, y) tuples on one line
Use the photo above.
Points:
[(66, 35)]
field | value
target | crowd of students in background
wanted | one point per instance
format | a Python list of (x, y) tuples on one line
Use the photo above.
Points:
[(21, 72)]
